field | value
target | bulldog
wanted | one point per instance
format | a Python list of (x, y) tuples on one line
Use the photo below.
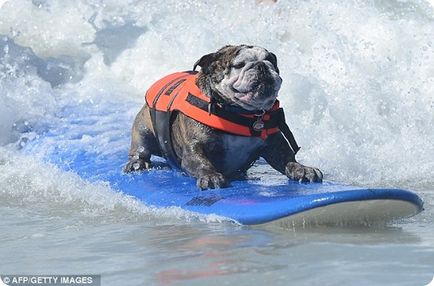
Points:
[(216, 123)]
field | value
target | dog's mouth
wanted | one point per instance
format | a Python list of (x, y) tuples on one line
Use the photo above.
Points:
[(255, 99), (246, 88), (259, 96)]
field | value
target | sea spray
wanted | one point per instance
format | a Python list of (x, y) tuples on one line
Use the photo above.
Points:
[(358, 86)]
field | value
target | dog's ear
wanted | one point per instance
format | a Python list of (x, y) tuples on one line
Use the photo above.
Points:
[(204, 62), (273, 60)]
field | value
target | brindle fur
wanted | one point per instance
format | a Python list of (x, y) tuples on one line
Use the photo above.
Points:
[(203, 151)]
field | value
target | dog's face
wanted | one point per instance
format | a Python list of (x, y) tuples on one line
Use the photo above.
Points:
[(245, 76)]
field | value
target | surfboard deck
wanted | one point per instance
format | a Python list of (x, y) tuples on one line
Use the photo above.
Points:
[(93, 142)]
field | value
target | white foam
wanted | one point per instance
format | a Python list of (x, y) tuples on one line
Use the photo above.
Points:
[(358, 85), (50, 28), (30, 183)]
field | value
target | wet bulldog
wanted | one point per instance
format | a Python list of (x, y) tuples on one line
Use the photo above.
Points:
[(216, 123)]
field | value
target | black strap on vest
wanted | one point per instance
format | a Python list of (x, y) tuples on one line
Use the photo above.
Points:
[(161, 121), (277, 119), (284, 128)]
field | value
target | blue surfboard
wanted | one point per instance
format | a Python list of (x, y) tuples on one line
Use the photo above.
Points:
[(92, 140)]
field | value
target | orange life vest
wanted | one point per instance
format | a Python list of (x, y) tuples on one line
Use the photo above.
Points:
[(178, 92)]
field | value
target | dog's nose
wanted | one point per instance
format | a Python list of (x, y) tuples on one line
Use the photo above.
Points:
[(261, 67)]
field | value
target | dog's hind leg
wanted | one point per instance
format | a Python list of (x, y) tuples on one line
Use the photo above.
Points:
[(143, 143)]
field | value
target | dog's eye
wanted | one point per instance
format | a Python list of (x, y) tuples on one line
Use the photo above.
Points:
[(238, 65)]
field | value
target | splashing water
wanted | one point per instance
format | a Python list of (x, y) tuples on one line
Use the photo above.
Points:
[(358, 86), (358, 77)]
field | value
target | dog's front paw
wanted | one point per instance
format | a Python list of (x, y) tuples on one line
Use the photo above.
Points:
[(298, 172), (211, 181), (136, 164)]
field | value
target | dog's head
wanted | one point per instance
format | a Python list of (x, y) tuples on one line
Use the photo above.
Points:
[(244, 76)]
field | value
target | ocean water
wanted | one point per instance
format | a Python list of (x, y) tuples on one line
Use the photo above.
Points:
[(358, 91)]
